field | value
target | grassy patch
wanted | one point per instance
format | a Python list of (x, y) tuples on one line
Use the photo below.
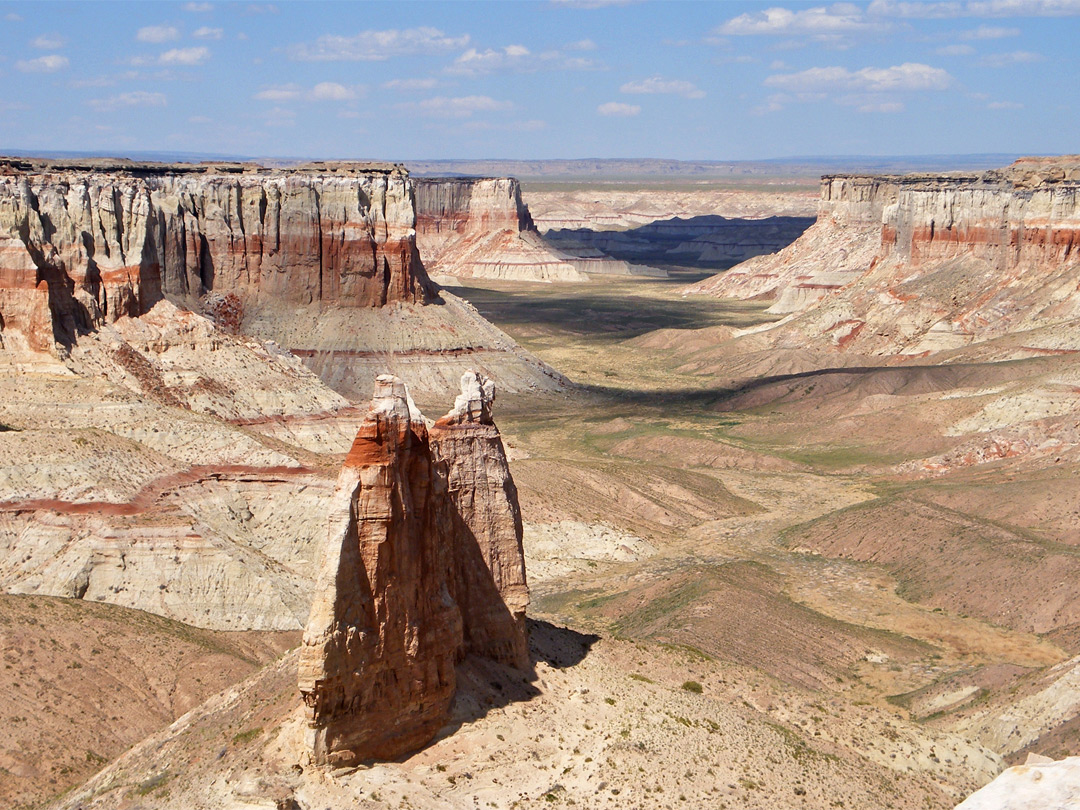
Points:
[(246, 736), (153, 783)]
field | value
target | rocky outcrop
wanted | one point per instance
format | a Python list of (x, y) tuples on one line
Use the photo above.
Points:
[(1040, 783), (917, 264), (480, 228), (423, 564), (84, 245)]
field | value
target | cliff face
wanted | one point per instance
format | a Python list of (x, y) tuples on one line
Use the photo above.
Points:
[(79, 248), (481, 228), (423, 564), (489, 559), (918, 263)]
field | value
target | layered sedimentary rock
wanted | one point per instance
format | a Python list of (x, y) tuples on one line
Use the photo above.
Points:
[(423, 564), (321, 259), (916, 264), (489, 560), (480, 228), (83, 246)]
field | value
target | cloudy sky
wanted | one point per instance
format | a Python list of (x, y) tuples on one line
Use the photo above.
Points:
[(552, 79)]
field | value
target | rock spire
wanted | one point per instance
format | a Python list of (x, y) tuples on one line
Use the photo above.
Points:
[(423, 565)]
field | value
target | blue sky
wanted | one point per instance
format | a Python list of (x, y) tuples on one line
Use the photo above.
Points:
[(553, 79)]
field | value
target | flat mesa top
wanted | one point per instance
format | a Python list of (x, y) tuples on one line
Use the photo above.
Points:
[(1025, 173), (21, 165)]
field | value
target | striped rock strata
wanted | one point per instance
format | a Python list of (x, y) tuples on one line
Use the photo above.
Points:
[(81, 246), (916, 264), (423, 565), (480, 228)]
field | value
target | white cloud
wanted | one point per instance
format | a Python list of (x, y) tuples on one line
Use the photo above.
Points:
[(208, 33), (11, 16), (48, 42), (43, 64), (990, 32), (137, 98), (581, 45), (200, 120), (973, 8), (515, 59), (158, 33), (410, 84), (279, 93), (187, 57), (332, 91), (914, 9), (1004, 105), (616, 108), (773, 103), (1023, 8), (839, 18), (908, 76), (675, 87), (323, 91), (261, 8), (376, 46), (198, 8), (955, 50), (459, 107), (1012, 58)]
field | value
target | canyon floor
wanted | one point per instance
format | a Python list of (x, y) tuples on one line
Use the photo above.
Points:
[(759, 579)]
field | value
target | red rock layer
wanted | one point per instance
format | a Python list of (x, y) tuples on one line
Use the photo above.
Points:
[(423, 565), (927, 262), (113, 241), (481, 228)]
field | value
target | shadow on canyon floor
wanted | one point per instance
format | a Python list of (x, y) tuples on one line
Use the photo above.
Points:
[(856, 380), (610, 314), (707, 242), (484, 685)]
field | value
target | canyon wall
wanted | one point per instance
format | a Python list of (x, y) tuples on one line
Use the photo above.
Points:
[(83, 246), (916, 264), (321, 259), (423, 565)]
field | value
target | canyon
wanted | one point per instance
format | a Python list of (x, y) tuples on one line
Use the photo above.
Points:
[(798, 560)]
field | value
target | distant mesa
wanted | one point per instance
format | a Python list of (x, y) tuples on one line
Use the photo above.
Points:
[(917, 264), (480, 228)]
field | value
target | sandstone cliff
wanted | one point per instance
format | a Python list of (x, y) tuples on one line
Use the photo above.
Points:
[(917, 264), (82, 248), (423, 564), (480, 228), (321, 259)]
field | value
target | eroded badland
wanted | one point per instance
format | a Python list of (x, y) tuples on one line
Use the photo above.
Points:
[(801, 533)]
